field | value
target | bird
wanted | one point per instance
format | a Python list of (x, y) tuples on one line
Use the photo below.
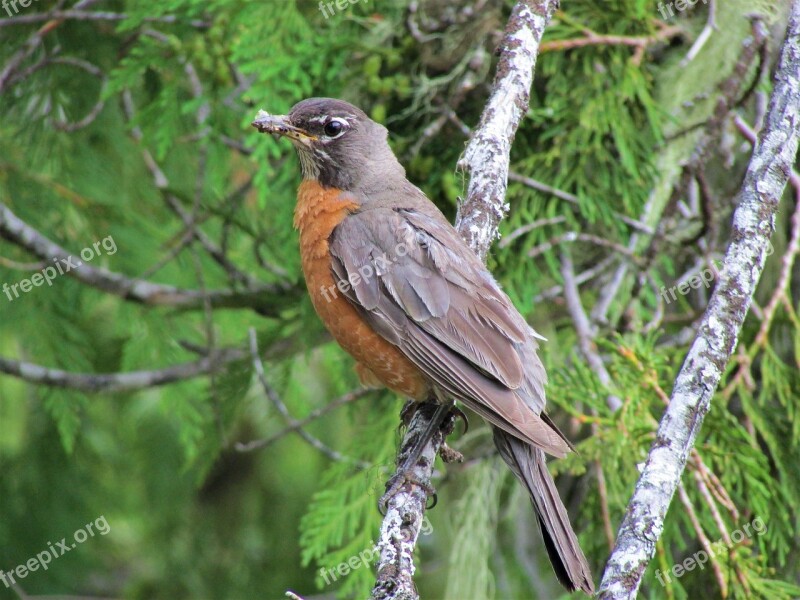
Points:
[(402, 293)]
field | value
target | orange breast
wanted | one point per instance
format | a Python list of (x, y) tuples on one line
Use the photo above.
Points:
[(318, 212)]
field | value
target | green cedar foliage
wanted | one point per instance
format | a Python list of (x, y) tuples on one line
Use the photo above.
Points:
[(191, 516)]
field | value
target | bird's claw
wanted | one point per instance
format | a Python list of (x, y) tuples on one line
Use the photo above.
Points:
[(396, 484)]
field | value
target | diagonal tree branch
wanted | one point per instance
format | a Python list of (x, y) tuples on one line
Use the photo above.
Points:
[(487, 160), (487, 155), (753, 222), (92, 383), (267, 300)]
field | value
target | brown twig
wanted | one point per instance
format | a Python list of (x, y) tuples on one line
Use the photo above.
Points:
[(591, 38)]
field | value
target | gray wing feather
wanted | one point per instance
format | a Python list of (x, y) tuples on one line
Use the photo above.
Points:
[(423, 290)]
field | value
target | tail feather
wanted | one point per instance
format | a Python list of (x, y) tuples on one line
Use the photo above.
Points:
[(566, 556)]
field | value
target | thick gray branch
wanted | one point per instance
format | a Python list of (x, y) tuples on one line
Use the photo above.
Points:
[(487, 155), (487, 159), (753, 222)]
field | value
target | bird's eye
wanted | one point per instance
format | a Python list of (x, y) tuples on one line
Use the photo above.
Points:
[(333, 128)]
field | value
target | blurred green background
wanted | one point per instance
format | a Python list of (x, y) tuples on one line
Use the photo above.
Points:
[(129, 121)]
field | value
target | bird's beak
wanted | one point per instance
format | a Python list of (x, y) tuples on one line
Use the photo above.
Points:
[(279, 125)]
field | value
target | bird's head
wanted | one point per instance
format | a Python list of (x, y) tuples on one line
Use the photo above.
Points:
[(337, 143)]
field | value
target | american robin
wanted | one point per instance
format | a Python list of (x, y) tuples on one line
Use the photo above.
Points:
[(400, 291)]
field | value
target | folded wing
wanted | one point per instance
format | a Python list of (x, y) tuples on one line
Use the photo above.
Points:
[(422, 289)]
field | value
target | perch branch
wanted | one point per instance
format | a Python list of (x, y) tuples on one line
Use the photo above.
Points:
[(486, 158)]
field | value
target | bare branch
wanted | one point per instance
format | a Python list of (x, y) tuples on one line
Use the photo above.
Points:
[(82, 15), (753, 222), (92, 383), (267, 300), (705, 35), (583, 328), (161, 181), (347, 398), (573, 199), (275, 398), (595, 39), (486, 157), (32, 44)]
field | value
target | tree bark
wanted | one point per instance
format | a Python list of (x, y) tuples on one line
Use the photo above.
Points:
[(770, 168)]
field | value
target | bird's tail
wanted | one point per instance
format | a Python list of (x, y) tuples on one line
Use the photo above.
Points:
[(566, 556)]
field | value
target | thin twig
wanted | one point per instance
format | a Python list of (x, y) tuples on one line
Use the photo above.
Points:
[(581, 278), (92, 383), (161, 182), (347, 398), (275, 398), (705, 35), (573, 199), (595, 39), (81, 15), (574, 236), (704, 541), (266, 299), (520, 231), (583, 328)]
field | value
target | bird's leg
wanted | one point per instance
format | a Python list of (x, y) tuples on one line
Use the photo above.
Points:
[(408, 411), (409, 456)]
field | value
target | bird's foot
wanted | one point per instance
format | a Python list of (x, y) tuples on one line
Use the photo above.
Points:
[(396, 484), (408, 411), (449, 424)]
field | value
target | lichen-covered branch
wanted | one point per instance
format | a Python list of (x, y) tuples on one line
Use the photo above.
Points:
[(486, 157), (487, 160), (753, 222)]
